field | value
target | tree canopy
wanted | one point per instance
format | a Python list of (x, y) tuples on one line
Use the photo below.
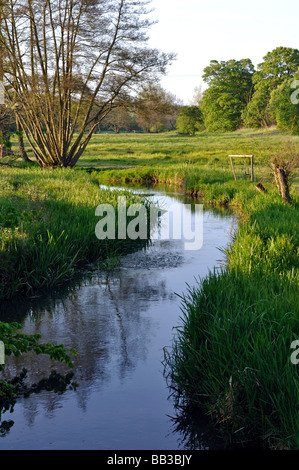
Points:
[(284, 105), (189, 120), (156, 109), (238, 95), (277, 66), (230, 88)]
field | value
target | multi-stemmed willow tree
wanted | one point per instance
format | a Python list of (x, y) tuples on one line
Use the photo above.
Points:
[(66, 62)]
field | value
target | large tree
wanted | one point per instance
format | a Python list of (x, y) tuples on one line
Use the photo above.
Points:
[(119, 118), (229, 91), (156, 109), (2, 107), (284, 105), (66, 56), (277, 66)]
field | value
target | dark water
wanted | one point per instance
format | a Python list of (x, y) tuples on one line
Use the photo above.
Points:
[(119, 322)]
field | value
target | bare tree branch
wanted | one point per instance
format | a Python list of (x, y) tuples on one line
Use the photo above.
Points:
[(67, 61)]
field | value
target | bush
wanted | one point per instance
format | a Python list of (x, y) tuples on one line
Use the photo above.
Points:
[(189, 120)]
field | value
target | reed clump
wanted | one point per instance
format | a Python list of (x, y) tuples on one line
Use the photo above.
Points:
[(47, 227)]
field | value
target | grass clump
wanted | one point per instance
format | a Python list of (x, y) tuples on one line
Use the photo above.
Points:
[(232, 351), (47, 227)]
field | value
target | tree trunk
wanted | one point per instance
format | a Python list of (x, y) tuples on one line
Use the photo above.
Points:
[(4, 151), (282, 182), (23, 152)]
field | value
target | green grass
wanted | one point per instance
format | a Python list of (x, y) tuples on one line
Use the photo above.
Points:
[(232, 352), (166, 149), (47, 227), (197, 164), (125, 151)]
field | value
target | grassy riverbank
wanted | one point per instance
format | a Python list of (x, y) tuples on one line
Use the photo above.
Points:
[(232, 355), (47, 227), (233, 349), (189, 161)]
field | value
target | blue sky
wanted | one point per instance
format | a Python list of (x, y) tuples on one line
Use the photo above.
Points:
[(200, 31)]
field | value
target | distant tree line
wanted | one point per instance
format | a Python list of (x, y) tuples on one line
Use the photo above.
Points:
[(153, 109), (238, 95), (58, 96)]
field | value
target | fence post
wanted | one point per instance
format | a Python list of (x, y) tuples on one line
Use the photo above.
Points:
[(231, 160), (252, 173)]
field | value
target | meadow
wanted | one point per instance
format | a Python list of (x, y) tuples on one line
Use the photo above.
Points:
[(47, 227), (125, 151), (231, 355)]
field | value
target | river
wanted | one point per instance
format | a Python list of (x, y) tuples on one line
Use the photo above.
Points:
[(119, 321)]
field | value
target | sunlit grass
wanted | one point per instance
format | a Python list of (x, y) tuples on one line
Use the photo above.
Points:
[(188, 161), (47, 227), (232, 352)]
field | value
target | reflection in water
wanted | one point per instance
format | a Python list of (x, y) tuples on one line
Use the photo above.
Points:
[(102, 320), (194, 430), (119, 322)]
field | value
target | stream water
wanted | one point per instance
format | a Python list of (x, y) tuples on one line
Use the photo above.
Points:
[(119, 321)]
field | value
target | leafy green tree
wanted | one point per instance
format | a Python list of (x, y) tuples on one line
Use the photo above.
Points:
[(230, 87), (257, 113), (189, 120), (277, 66), (157, 128), (284, 105)]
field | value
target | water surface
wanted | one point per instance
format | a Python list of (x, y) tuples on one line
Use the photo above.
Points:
[(119, 322)]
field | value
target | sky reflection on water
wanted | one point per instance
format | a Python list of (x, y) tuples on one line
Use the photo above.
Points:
[(119, 322)]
